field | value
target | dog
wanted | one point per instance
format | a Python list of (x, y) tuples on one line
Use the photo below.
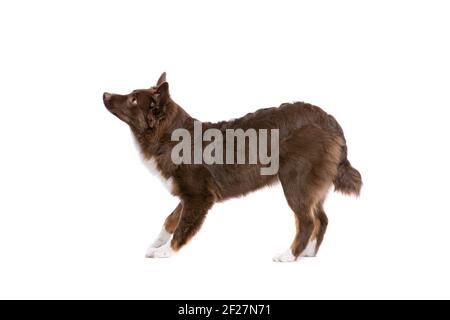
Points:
[(312, 158)]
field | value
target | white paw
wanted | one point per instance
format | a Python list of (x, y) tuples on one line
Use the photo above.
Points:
[(164, 251), (157, 243), (162, 239), (310, 250), (286, 256)]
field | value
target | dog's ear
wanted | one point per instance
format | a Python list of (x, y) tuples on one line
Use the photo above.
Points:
[(158, 107), (163, 93), (161, 80)]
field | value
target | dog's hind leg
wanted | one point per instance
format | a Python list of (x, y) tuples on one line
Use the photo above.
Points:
[(320, 227), (302, 204), (168, 229), (308, 164)]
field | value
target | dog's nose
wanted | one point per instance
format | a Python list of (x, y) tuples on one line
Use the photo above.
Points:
[(107, 96)]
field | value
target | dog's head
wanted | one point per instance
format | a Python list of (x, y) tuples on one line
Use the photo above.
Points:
[(143, 109)]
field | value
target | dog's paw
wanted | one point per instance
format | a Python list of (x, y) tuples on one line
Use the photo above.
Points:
[(156, 244), (285, 256), (164, 251), (162, 239)]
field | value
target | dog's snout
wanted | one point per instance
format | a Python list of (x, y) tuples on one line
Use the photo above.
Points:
[(107, 96)]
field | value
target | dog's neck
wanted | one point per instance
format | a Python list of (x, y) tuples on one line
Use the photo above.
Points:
[(155, 142)]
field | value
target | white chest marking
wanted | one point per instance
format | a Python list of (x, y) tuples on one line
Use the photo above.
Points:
[(153, 167)]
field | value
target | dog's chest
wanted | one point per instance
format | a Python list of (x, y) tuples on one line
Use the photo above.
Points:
[(153, 167)]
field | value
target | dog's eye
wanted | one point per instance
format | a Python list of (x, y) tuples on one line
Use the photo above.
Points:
[(134, 101)]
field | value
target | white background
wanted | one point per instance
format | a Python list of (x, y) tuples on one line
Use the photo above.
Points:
[(78, 209)]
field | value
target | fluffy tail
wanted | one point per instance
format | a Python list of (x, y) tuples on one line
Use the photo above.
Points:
[(348, 179)]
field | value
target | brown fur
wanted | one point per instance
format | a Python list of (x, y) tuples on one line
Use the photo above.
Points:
[(313, 156), (173, 219)]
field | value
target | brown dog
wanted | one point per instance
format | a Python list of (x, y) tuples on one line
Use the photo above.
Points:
[(312, 156)]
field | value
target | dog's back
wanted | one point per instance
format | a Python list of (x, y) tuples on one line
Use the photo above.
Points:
[(290, 117)]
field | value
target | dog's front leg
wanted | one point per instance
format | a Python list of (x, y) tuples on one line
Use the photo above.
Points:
[(193, 214), (167, 230)]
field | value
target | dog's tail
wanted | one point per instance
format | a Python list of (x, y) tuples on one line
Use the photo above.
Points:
[(348, 180)]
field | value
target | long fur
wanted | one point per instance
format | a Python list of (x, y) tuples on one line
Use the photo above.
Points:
[(313, 157)]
